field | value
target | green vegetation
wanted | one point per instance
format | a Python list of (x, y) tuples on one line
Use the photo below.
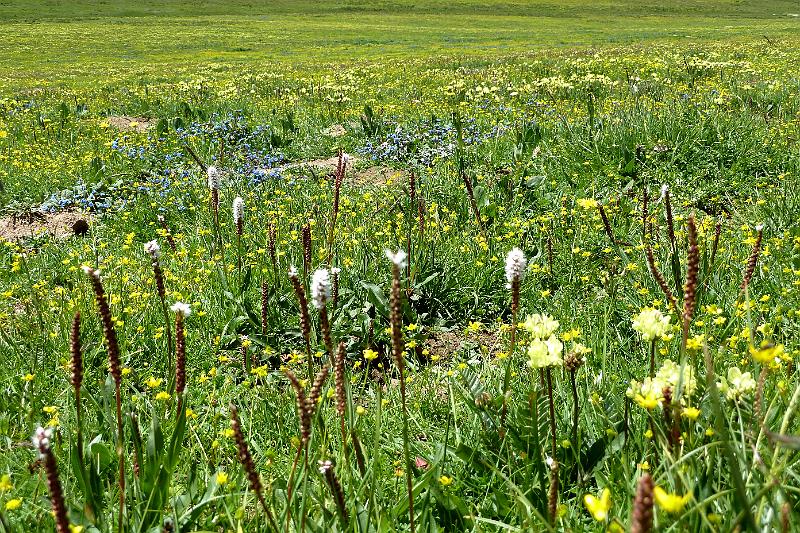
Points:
[(641, 159)]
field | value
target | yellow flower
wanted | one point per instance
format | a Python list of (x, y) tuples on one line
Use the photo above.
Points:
[(153, 382), (14, 504), (671, 503), (649, 400), (360, 410), (370, 355), (445, 480), (691, 413), (598, 507), (162, 396), (28, 377), (767, 352), (5, 483), (587, 203), (651, 324), (222, 478)]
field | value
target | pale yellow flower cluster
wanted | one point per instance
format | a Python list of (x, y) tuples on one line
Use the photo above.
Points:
[(651, 324), (545, 348)]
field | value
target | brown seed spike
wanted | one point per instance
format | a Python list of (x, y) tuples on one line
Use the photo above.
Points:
[(642, 514), (397, 322), (110, 334), (264, 306), (249, 465), (659, 277), (53, 483), (753, 259), (302, 410), (306, 233), (316, 390), (180, 355), (339, 377), (692, 270), (76, 365), (552, 496)]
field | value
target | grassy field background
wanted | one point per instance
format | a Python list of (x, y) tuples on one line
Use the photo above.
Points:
[(75, 42)]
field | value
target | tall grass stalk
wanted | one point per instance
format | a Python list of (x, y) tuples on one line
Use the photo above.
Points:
[(396, 319)]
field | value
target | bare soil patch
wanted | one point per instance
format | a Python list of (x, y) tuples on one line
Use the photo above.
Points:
[(337, 130), (369, 176), (59, 225), (137, 124)]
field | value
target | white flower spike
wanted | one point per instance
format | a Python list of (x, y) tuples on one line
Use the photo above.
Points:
[(516, 263)]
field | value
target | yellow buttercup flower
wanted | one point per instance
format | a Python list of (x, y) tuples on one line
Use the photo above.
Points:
[(12, 505), (370, 355), (766, 353), (598, 507), (671, 503), (445, 480)]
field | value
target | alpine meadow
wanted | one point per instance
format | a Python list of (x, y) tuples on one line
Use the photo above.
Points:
[(416, 265)]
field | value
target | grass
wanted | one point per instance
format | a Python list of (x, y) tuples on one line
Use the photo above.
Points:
[(518, 121)]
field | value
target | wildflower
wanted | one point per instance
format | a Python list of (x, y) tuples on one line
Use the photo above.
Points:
[(398, 258), (153, 382), (214, 177), (41, 440), (238, 210), (670, 374), (671, 503), (152, 249), (162, 396), (766, 353), (445, 480), (320, 288), (181, 308), (370, 355), (691, 413), (647, 394), (222, 478), (540, 326), (587, 203), (651, 324), (5, 483), (598, 507), (543, 353), (360, 410), (515, 265), (13, 505), (642, 513), (737, 384)]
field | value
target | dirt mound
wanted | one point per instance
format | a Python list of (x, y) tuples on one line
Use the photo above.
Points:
[(137, 124), (377, 176), (59, 225), (337, 130)]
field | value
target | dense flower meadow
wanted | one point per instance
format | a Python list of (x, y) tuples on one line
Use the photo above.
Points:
[(551, 291)]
